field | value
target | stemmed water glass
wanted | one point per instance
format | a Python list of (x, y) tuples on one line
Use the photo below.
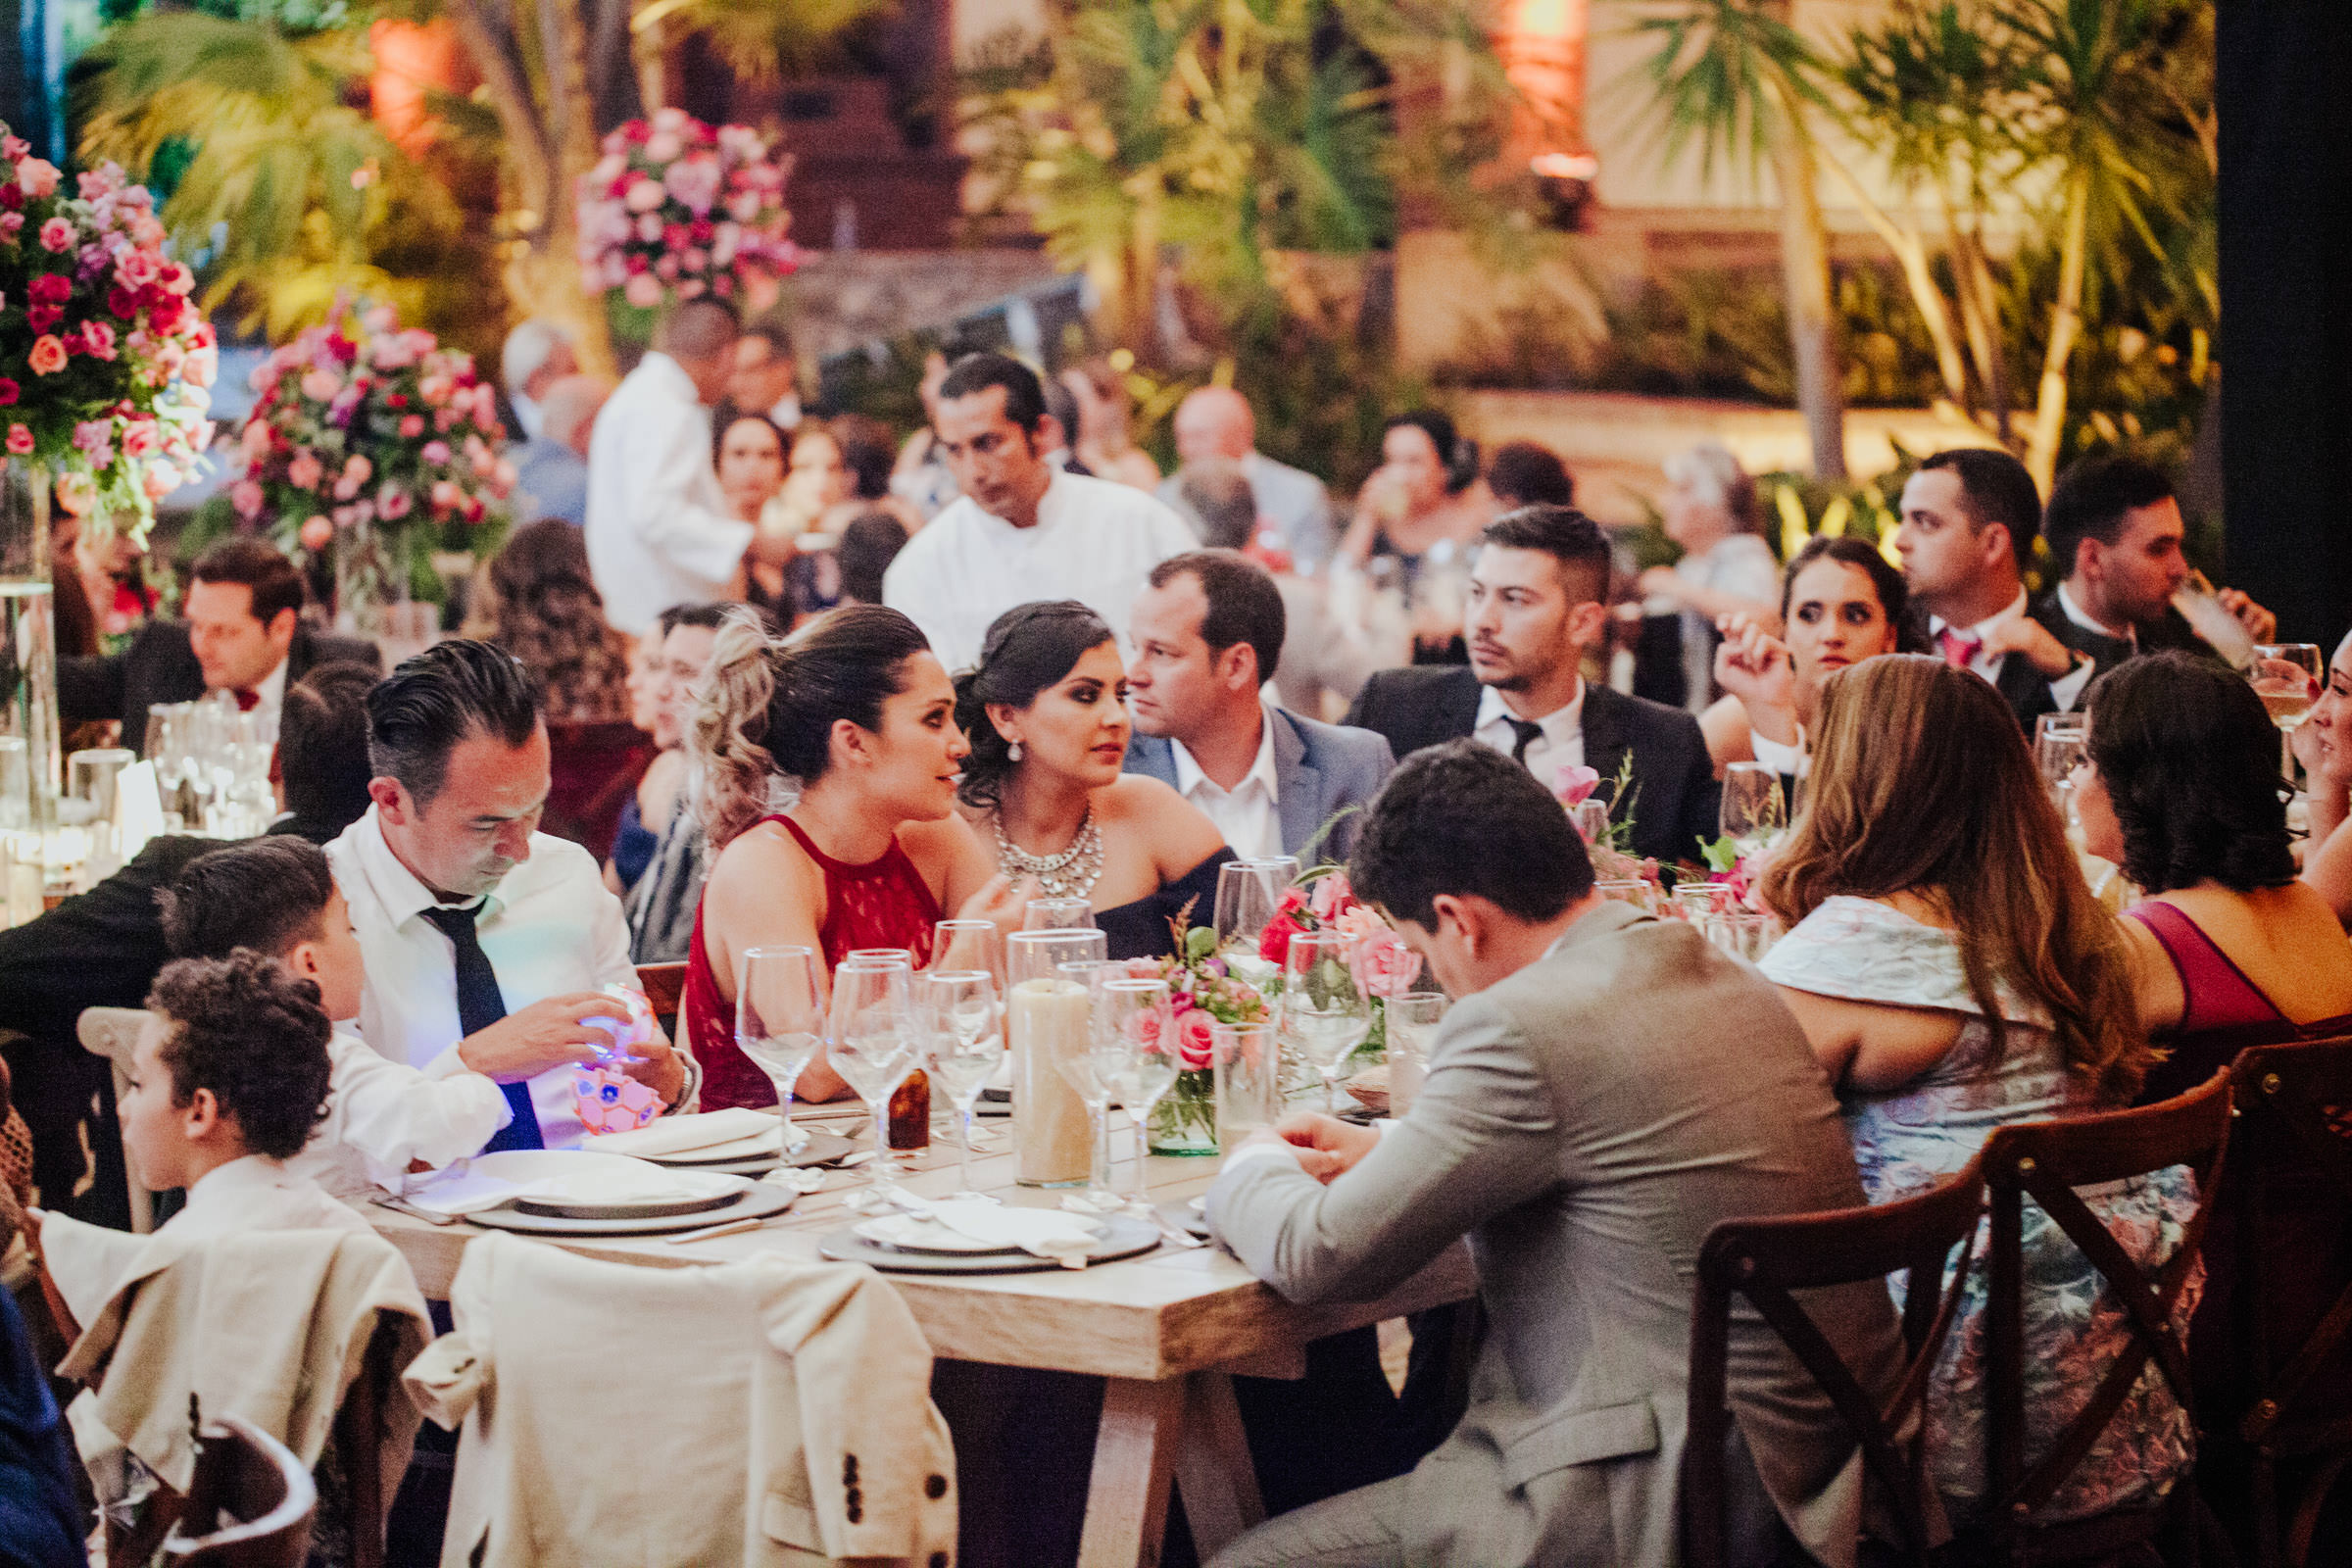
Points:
[(1133, 1041), (781, 1019), (1058, 914), (1753, 810), (1249, 891), (2286, 676), (1087, 1071), (965, 945), (964, 1041), (870, 1039), (1323, 1010)]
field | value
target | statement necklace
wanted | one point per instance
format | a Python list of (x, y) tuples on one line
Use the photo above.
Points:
[(1071, 874)]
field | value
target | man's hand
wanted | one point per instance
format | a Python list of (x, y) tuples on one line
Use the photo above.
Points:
[(658, 1068), (550, 1033), (2260, 623), (2029, 638), (1327, 1147)]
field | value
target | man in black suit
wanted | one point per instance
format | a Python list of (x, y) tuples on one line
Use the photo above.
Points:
[(1538, 600), (1969, 521), (104, 948), (2115, 531), (243, 635)]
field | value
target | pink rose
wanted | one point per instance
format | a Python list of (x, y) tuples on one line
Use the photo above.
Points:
[(141, 439), (643, 291), (56, 234), (447, 496), (644, 195), (346, 487), (436, 452), (1274, 943), (393, 502), (1194, 1040), (48, 355), (76, 493), (316, 531), (19, 440), (358, 470), (98, 340), (160, 480), (1574, 784), (320, 384), (412, 426), (11, 225), (246, 495), (1383, 965), (1331, 895), (305, 470), (37, 177)]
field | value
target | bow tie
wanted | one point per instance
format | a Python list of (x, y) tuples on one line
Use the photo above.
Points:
[(1960, 649), (247, 700)]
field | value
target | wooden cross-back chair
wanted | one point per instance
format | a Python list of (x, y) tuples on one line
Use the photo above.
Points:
[(1768, 1260), (2288, 1215), (111, 1033), (2047, 1161), (255, 1494)]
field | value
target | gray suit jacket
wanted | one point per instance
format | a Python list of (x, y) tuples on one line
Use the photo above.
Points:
[(1318, 770), (1585, 1123), (1292, 500)]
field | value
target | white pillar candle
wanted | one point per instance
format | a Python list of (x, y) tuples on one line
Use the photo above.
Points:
[(1046, 1021)]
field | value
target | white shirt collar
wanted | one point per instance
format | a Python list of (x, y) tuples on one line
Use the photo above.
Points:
[(272, 687), (1558, 725), (1983, 629), (397, 889), (2081, 617), (1190, 777), (660, 366)]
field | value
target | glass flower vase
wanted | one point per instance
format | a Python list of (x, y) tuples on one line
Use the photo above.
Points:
[(1185, 1121), (32, 766)]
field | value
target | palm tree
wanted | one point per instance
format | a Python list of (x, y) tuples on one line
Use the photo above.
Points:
[(1735, 76)]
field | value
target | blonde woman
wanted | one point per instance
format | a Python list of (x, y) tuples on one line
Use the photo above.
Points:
[(1727, 569)]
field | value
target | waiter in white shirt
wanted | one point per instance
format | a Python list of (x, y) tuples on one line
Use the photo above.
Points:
[(1022, 530), (1970, 518), (659, 532), (471, 921)]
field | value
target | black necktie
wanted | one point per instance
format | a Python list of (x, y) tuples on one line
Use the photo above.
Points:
[(480, 1006), (1528, 733)]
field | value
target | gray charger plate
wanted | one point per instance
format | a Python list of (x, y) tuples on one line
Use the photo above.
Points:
[(821, 1148), (1123, 1237), (545, 1209), (762, 1201), (1185, 1217)]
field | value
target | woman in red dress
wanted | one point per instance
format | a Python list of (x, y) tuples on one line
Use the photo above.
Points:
[(858, 712)]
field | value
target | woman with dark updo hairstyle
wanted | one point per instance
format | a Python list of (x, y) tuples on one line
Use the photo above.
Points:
[(2181, 789), (1046, 713), (856, 713)]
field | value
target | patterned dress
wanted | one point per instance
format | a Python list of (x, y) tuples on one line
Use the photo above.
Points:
[(1907, 1140)]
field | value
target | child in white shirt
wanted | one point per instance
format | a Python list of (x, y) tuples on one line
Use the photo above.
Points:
[(277, 896)]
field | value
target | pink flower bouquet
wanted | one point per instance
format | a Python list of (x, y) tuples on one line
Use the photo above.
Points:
[(106, 365), (677, 209)]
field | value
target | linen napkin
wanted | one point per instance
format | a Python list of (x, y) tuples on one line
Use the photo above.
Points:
[(680, 1135), (1040, 1232)]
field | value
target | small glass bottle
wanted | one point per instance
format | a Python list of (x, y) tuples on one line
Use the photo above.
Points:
[(911, 1113)]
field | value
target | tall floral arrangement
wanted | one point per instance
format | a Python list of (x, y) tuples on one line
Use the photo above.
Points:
[(105, 363), (1202, 992), (368, 440), (677, 209)]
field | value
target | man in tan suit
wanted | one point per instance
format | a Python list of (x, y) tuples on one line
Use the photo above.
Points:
[(1606, 1088)]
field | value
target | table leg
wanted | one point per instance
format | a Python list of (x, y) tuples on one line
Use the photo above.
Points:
[(1213, 1472), (1135, 1454)]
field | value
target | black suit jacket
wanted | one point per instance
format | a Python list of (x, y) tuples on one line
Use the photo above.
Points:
[(1679, 800), (2170, 631), (160, 667), (2025, 689)]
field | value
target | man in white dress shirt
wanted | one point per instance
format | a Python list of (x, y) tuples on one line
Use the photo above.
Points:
[(659, 532), (1022, 530), (1970, 517), (472, 922), (1216, 422), (536, 355)]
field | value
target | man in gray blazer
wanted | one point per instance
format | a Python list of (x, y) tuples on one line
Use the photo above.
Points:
[(1207, 628), (1607, 1089), (1217, 422)]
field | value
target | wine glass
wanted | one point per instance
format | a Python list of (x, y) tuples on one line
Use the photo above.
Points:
[(1058, 914), (870, 1041), (1248, 893), (781, 1019), (1412, 1021), (1753, 810), (963, 944), (2059, 742), (1323, 1010), (1134, 1032), (2286, 677), (963, 1042)]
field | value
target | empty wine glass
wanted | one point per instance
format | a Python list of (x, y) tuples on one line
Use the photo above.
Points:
[(1248, 893), (1753, 810), (2059, 742), (1058, 914), (963, 1042), (2286, 676), (1086, 1072), (964, 945), (1134, 1037), (781, 1019), (870, 1041), (1324, 1013)]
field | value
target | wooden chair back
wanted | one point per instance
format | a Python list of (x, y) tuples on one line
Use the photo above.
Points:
[(2047, 1161), (593, 766), (111, 1032), (665, 987), (1768, 1260), (256, 1496), (2289, 1328)]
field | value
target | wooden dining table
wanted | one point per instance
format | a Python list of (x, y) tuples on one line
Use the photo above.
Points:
[(1165, 1331)]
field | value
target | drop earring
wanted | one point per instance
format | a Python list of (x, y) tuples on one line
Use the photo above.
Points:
[(1013, 752)]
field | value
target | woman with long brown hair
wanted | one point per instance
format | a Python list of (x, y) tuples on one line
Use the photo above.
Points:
[(1954, 974)]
